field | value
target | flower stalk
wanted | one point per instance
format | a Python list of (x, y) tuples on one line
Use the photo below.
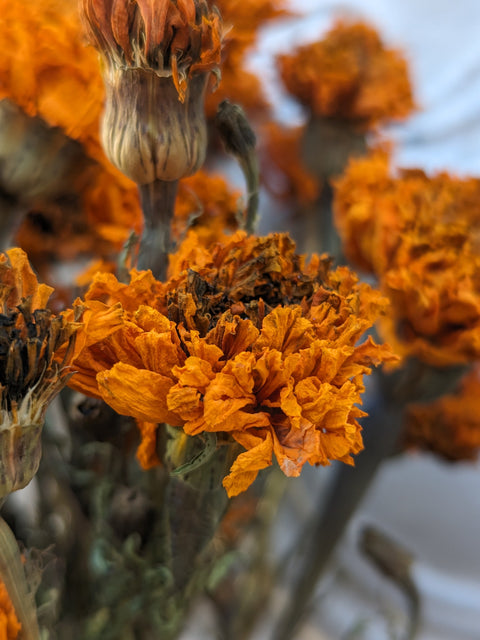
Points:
[(158, 203)]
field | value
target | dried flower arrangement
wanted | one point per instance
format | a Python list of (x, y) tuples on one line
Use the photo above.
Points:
[(190, 364)]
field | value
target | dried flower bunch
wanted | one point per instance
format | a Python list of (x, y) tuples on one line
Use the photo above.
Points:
[(350, 75), (227, 353), (417, 234), (243, 341)]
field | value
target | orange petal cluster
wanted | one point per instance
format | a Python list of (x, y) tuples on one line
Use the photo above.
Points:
[(248, 343), (349, 75), (419, 236), (174, 38), (449, 427), (10, 627)]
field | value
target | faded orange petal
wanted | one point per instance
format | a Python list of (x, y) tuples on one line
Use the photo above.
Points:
[(147, 454), (285, 330), (158, 352), (10, 627), (246, 467), (138, 393), (194, 373)]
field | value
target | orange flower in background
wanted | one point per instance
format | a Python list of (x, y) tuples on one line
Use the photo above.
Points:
[(419, 235), (283, 170), (251, 344), (10, 627), (45, 75), (367, 242), (242, 20), (450, 426), (349, 75)]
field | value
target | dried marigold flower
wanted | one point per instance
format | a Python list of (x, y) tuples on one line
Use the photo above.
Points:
[(450, 426), (248, 344), (418, 235), (30, 376), (10, 627), (156, 59), (349, 75)]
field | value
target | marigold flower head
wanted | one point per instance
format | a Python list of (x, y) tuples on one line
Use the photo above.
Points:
[(156, 56), (349, 75), (418, 234), (450, 426), (248, 343), (10, 627), (30, 376)]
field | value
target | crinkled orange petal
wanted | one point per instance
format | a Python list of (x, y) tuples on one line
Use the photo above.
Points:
[(285, 330), (246, 467), (138, 393)]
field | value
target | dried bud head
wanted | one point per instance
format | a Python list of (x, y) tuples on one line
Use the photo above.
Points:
[(157, 57), (235, 130)]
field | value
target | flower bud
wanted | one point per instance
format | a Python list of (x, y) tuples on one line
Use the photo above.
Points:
[(156, 60), (147, 132)]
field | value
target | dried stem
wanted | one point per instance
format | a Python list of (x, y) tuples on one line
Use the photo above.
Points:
[(158, 204)]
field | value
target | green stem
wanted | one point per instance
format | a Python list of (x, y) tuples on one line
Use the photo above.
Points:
[(158, 204)]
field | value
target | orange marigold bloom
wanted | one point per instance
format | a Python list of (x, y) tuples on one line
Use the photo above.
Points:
[(251, 344), (349, 75), (283, 170), (450, 426), (10, 627), (418, 234), (242, 19)]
